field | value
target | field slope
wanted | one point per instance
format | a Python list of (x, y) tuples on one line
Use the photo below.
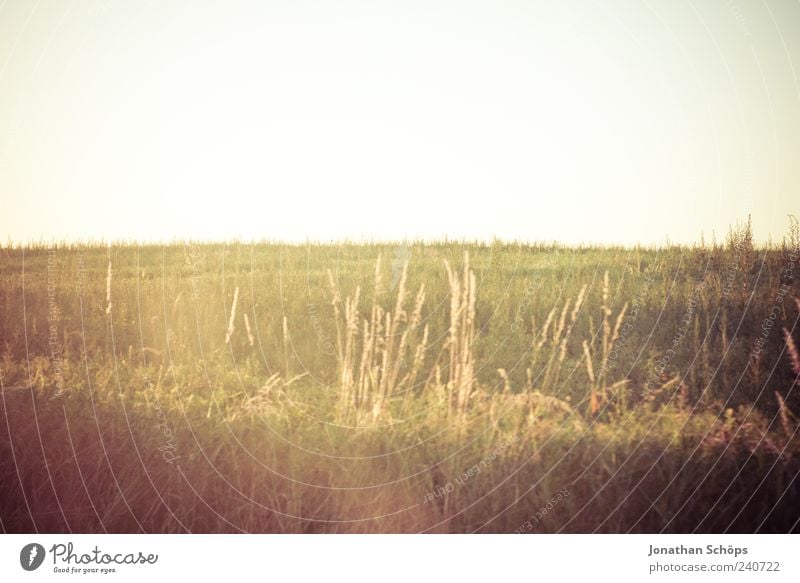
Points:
[(410, 387)]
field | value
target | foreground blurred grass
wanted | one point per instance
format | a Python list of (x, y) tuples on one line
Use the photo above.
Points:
[(578, 390)]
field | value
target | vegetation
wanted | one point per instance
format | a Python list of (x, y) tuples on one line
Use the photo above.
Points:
[(437, 387)]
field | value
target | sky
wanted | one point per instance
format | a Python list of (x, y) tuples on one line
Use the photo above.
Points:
[(610, 122)]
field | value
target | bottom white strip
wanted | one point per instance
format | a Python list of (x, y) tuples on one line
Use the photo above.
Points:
[(370, 558)]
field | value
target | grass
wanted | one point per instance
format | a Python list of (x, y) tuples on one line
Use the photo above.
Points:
[(439, 387)]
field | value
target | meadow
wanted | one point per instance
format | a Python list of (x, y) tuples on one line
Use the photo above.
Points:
[(400, 387)]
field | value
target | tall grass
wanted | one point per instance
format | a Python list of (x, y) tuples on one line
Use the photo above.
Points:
[(456, 390), (380, 354)]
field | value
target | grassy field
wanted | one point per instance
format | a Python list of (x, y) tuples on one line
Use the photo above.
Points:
[(448, 387)]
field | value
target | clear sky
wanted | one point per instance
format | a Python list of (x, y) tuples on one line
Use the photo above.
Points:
[(592, 121)]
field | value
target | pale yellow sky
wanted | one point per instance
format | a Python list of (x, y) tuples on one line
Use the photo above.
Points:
[(605, 122)]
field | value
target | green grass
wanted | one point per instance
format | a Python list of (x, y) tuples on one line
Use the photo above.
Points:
[(662, 402)]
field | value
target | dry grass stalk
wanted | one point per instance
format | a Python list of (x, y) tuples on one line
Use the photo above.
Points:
[(231, 320), (594, 401), (108, 284), (504, 375), (380, 356), (794, 355), (558, 342), (784, 412), (250, 338), (550, 347), (606, 314), (608, 343), (725, 354), (461, 338), (336, 302)]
